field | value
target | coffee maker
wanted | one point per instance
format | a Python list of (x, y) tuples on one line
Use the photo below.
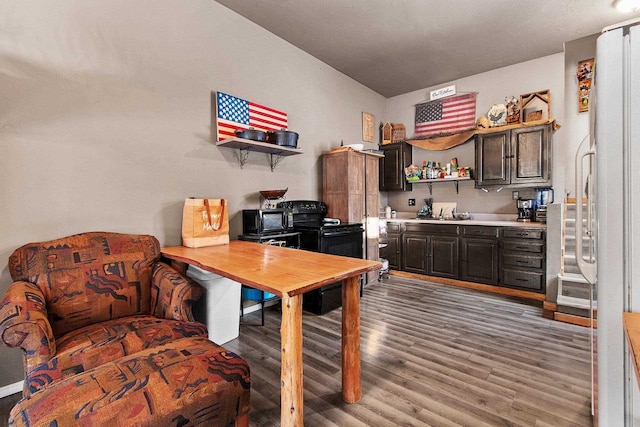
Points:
[(526, 210), (544, 197)]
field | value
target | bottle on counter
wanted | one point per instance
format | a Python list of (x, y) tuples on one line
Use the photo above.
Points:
[(424, 169), (387, 212)]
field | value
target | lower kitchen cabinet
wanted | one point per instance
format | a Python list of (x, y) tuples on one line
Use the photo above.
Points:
[(443, 257), (479, 254), (415, 255), (431, 249), (513, 257), (393, 250), (522, 258)]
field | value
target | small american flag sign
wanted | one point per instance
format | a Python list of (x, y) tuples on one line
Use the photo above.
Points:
[(235, 113), (446, 116)]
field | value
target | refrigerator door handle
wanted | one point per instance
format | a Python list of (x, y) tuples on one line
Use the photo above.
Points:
[(587, 267)]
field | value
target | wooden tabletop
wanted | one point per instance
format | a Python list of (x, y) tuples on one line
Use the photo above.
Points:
[(631, 323), (271, 268)]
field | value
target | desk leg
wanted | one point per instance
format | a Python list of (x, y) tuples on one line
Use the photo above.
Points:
[(291, 386), (351, 385)]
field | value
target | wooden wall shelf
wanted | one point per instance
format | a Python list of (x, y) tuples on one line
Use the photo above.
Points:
[(429, 182), (245, 146)]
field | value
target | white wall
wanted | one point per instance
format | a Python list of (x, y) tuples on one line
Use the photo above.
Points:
[(492, 88), (105, 118)]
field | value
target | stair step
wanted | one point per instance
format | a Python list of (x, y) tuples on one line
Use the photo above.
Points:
[(572, 278)]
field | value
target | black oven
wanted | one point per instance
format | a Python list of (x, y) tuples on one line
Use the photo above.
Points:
[(320, 234)]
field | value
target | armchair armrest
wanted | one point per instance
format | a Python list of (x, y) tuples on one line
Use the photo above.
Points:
[(24, 323), (172, 294)]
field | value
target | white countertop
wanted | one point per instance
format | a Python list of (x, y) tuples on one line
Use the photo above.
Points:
[(496, 220)]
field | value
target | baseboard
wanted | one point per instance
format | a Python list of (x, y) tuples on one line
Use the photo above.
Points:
[(256, 306), (9, 389), (472, 285)]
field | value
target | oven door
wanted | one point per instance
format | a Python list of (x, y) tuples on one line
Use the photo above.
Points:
[(342, 242)]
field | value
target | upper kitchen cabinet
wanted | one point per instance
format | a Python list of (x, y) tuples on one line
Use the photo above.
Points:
[(396, 157), (515, 157)]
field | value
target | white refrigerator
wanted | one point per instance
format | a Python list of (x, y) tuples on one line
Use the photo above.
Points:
[(611, 185)]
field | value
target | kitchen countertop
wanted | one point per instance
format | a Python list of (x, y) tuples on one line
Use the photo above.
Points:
[(496, 220)]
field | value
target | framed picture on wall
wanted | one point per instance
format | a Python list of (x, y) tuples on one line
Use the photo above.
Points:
[(367, 127)]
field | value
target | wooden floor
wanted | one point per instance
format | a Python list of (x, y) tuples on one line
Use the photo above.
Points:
[(432, 355)]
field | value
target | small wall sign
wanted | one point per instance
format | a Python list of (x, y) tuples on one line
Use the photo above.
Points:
[(442, 92), (367, 126)]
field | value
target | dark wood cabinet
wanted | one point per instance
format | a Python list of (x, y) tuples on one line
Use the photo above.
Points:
[(393, 250), (431, 249), (414, 252), (396, 157), (522, 258), (513, 257), (443, 256), (517, 157), (479, 254)]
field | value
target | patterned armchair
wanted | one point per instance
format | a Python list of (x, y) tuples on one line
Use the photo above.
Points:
[(109, 339)]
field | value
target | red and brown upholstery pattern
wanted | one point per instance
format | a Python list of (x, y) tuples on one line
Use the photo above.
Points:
[(191, 381), (95, 345), (90, 277), (98, 311)]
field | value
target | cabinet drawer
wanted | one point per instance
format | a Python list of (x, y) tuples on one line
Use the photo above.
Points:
[(433, 229), (394, 227), (516, 233), (533, 247), (480, 231), (522, 261), (522, 279)]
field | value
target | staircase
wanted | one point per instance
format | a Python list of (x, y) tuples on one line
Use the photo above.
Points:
[(573, 289)]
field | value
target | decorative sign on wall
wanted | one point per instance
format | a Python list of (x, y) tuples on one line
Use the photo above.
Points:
[(584, 74), (367, 126), (443, 92), (235, 113)]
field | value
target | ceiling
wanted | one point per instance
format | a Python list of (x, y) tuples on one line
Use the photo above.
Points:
[(398, 46)]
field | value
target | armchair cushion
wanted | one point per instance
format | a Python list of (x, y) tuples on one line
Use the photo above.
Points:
[(95, 345), (191, 381)]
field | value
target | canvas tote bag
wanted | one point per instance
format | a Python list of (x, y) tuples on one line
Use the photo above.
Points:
[(205, 222)]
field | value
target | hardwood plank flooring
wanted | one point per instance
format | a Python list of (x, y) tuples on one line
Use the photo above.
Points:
[(432, 355)]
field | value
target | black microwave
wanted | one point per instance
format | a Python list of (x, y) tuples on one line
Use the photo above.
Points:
[(266, 221)]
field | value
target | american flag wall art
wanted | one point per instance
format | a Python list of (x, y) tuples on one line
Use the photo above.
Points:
[(235, 113), (446, 116)]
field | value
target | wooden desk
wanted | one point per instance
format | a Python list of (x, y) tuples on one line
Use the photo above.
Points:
[(289, 273)]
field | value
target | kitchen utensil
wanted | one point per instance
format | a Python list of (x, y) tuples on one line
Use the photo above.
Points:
[(283, 137), (252, 134)]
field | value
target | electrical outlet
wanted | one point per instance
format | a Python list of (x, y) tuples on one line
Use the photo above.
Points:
[(412, 202), (515, 195)]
